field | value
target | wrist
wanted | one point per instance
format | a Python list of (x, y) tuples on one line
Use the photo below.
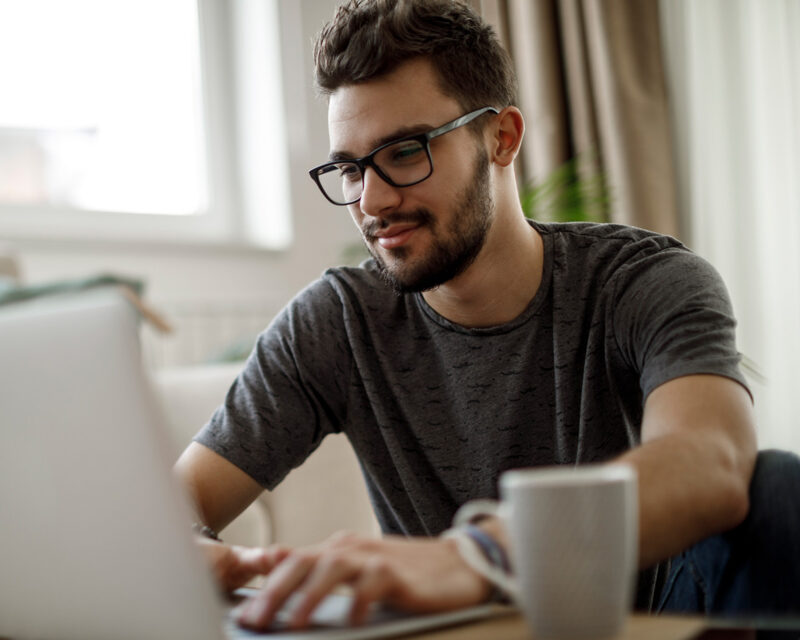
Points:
[(205, 531), (485, 589), (493, 526), (485, 557)]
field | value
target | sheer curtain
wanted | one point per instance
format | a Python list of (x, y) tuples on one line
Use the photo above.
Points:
[(734, 70)]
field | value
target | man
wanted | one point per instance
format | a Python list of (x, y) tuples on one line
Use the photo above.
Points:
[(472, 342)]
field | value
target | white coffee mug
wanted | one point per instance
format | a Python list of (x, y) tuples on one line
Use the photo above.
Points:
[(574, 546)]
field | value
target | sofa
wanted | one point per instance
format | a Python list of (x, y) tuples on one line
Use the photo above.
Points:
[(324, 495)]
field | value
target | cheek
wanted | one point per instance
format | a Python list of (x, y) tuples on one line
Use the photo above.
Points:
[(449, 179), (436, 195), (356, 214)]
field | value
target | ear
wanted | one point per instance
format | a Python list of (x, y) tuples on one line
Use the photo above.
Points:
[(507, 136)]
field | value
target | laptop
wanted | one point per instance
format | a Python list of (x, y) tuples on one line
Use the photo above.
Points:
[(94, 530)]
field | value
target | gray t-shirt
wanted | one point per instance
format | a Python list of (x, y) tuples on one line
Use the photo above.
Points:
[(436, 411)]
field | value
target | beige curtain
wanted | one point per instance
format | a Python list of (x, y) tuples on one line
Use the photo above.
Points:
[(592, 87)]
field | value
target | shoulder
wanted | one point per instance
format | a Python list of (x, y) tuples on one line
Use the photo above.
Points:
[(604, 238), (349, 296), (315, 324), (338, 285), (365, 278), (618, 254)]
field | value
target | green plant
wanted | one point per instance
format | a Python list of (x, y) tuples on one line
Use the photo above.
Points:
[(569, 194)]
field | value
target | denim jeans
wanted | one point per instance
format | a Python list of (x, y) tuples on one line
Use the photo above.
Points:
[(753, 569)]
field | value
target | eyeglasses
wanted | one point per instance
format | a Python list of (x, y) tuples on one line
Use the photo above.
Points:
[(400, 163)]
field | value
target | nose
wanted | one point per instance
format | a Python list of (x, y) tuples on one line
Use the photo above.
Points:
[(378, 197)]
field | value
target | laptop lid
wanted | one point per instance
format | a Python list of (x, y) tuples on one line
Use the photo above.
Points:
[(94, 532)]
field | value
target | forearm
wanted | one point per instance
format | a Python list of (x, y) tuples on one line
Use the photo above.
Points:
[(219, 490), (690, 487)]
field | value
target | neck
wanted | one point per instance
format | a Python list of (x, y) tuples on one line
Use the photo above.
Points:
[(498, 286)]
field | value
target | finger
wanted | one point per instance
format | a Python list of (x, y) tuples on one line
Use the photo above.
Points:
[(260, 610), (260, 561), (247, 563), (333, 568), (342, 537), (374, 585)]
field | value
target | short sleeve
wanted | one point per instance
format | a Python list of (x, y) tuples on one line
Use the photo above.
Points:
[(291, 393), (672, 317)]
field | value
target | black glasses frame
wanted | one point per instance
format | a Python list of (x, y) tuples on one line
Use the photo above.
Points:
[(369, 159)]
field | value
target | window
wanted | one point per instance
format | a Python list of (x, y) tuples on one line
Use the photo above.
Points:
[(127, 119)]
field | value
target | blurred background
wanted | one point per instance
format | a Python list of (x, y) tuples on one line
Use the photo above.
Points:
[(168, 142)]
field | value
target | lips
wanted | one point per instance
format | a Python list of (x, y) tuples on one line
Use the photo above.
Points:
[(395, 236), (397, 229)]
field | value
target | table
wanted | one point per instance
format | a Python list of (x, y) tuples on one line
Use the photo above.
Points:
[(510, 625)]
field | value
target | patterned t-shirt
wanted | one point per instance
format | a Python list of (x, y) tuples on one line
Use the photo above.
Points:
[(436, 411)]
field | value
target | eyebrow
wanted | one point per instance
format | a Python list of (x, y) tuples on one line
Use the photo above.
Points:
[(398, 134)]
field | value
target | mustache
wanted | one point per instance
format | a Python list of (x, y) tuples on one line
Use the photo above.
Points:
[(419, 217)]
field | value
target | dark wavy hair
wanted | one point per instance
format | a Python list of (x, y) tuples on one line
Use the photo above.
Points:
[(370, 38)]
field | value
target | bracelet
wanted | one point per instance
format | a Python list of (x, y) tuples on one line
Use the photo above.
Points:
[(205, 531), (493, 551), (485, 556)]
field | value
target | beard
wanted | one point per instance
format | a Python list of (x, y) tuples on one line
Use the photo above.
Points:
[(451, 251)]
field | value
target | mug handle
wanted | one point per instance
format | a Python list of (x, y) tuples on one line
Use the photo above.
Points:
[(478, 561)]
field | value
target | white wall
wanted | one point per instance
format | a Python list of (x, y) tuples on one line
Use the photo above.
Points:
[(201, 274)]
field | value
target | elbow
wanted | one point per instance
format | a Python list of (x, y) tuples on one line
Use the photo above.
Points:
[(735, 495), (737, 505), (736, 452)]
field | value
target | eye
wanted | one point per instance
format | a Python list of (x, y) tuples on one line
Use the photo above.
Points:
[(406, 152), (349, 172)]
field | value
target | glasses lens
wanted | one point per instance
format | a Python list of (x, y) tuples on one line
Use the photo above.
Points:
[(341, 182), (405, 162)]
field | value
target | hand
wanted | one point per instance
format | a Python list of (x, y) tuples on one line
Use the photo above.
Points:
[(417, 574), (234, 566)]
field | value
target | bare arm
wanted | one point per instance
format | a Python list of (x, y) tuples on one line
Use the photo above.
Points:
[(695, 462), (219, 489)]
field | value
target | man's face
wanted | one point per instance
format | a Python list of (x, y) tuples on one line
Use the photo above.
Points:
[(426, 234)]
